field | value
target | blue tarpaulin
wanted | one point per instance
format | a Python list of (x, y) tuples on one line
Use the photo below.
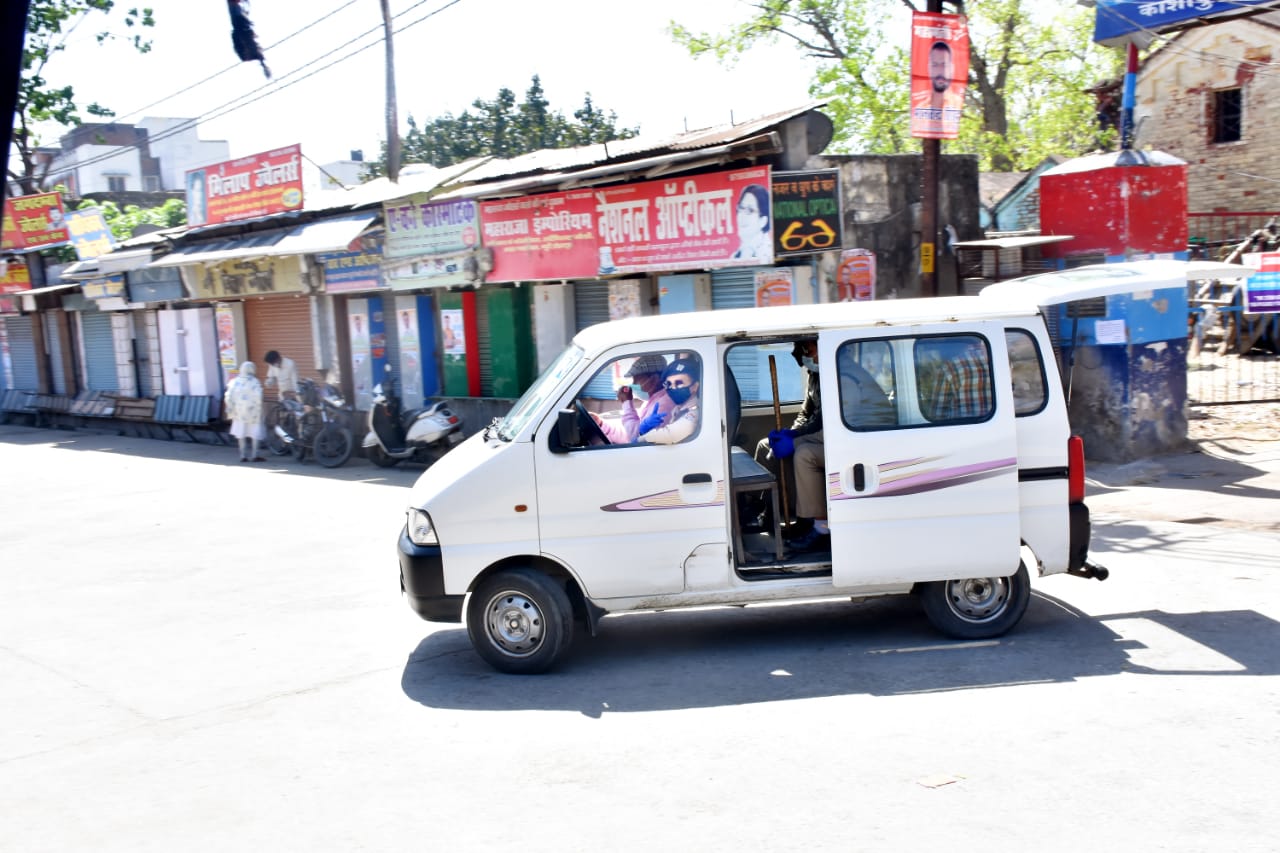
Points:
[(1121, 21)]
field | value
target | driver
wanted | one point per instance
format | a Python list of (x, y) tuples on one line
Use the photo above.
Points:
[(646, 372), (663, 426)]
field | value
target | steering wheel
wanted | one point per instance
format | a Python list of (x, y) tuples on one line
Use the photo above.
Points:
[(588, 427)]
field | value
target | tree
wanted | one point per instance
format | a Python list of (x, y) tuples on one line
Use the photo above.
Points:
[(49, 23), (123, 221), (1030, 65), (504, 128)]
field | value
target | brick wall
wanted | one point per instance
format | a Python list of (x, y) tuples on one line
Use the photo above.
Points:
[(1175, 103)]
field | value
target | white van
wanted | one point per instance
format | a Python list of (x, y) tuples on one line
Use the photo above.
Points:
[(949, 476)]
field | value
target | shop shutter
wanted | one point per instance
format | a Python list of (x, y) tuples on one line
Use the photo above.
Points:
[(591, 306), (53, 346), (282, 324), (736, 288), (22, 354), (485, 343), (6, 382), (99, 352)]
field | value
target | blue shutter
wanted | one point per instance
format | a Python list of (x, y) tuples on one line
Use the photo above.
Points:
[(591, 306), (736, 288), (99, 352), (22, 354)]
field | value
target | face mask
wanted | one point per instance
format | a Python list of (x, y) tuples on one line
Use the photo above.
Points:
[(680, 396), (809, 364)]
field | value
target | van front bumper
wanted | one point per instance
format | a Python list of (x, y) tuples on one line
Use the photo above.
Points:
[(422, 581)]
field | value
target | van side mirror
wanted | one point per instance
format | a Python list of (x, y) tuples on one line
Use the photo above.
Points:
[(568, 432)]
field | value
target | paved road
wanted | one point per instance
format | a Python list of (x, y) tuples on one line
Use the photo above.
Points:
[(199, 655)]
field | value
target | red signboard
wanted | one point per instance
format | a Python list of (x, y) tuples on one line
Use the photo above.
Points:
[(541, 237), (720, 219), (247, 188), (34, 221)]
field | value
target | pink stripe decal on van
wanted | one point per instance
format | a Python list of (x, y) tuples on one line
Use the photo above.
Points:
[(663, 500), (928, 480)]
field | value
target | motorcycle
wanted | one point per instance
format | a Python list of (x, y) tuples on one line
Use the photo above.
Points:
[(418, 435), (314, 425)]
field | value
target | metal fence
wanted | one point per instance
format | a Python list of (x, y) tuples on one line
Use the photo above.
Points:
[(1215, 378)]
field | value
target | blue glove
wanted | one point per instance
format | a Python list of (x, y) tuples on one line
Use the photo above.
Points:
[(782, 443), (651, 420)]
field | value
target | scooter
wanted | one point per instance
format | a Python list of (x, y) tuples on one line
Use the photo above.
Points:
[(418, 435)]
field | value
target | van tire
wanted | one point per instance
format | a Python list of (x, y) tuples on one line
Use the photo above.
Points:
[(520, 621), (977, 608)]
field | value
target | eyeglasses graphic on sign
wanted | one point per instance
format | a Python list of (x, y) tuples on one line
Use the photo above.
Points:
[(792, 240)]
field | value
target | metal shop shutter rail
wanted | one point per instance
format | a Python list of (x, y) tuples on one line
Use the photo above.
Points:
[(485, 344)]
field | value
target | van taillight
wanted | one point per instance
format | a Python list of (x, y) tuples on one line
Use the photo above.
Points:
[(1075, 469)]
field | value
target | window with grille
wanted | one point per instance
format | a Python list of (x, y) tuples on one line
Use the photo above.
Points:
[(115, 183), (1228, 116)]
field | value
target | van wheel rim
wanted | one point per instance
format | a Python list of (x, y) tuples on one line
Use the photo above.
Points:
[(978, 599), (514, 623)]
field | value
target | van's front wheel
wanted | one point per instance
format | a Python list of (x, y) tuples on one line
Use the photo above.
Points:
[(520, 621), (977, 608)]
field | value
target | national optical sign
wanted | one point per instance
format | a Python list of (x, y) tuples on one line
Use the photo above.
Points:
[(806, 212)]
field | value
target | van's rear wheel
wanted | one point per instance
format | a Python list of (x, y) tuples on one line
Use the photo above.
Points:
[(520, 621), (977, 608)]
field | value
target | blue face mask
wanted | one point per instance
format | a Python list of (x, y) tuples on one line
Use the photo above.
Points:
[(809, 364), (680, 396)]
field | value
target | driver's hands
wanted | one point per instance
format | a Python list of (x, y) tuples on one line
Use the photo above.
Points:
[(624, 394), (652, 420), (595, 418)]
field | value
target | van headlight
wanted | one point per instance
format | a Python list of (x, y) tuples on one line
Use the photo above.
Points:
[(421, 530)]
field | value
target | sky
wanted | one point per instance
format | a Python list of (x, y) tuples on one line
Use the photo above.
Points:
[(449, 53)]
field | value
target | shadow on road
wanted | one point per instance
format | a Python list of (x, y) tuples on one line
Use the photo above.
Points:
[(882, 647), (203, 450)]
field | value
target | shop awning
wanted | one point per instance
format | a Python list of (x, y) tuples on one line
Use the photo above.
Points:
[(124, 261), (213, 251), (324, 235)]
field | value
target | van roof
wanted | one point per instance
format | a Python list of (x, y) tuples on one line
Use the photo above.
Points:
[(1008, 299), (798, 319)]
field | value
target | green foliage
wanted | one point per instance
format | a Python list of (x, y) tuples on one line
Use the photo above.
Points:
[(1029, 66), (504, 128), (49, 24), (124, 220)]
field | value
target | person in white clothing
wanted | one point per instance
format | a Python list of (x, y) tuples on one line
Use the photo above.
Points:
[(282, 372), (243, 406)]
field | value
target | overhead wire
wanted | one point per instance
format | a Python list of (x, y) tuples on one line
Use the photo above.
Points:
[(276, 85)]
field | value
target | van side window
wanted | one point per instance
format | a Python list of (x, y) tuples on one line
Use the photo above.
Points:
[(867, 387), (642, 398), (1027, 367), (953, 379)]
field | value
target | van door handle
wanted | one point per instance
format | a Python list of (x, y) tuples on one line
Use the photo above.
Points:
[(859, 478), (692, 479)]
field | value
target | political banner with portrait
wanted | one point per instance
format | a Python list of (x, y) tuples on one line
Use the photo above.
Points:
[(246, 188), (939, 73)]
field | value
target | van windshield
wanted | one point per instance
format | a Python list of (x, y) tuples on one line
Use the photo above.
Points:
[(530, 403)]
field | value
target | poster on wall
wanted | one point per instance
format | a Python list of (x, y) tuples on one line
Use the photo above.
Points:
[(246, 188), (361, 363), (624, 299), (939, 73), (453, 338), (856, 277), (410, 351), (1262, 289), (225, 321), (775, 287)]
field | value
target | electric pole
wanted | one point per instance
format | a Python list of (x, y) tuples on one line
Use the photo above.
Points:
[(393, 122)]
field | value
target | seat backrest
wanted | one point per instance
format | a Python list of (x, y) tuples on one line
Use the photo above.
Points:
[(732, 405)]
